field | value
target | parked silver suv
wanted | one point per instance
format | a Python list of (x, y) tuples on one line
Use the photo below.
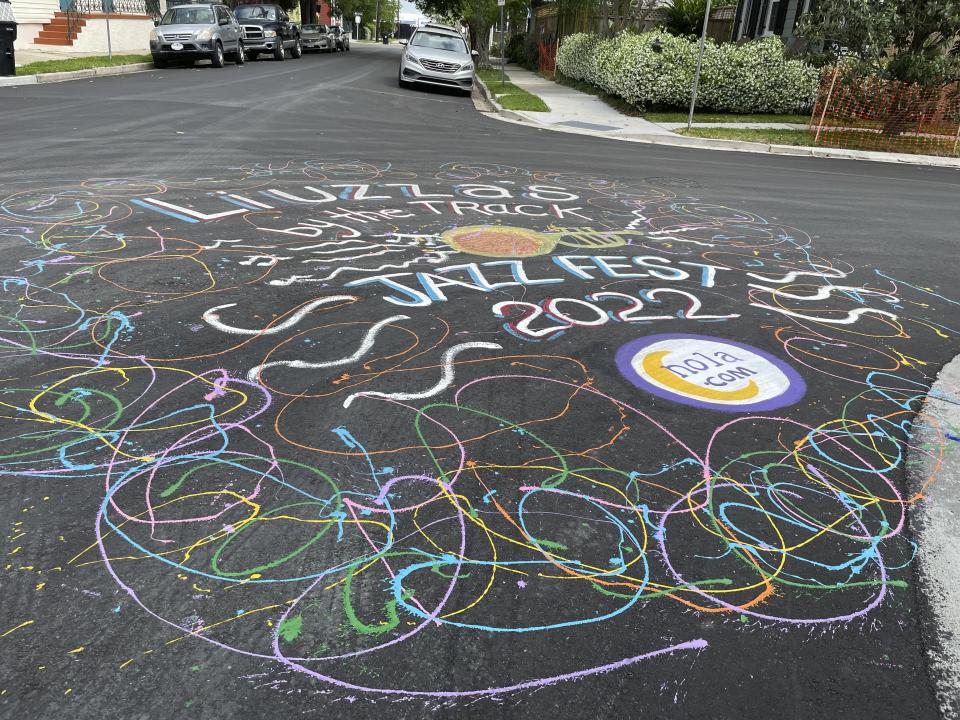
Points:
[(437, 55), (187, 33)]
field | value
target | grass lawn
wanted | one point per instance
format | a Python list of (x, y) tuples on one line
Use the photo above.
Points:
[(80, 63), (849, 139), (775, 137), (509, 95), (706, 117)]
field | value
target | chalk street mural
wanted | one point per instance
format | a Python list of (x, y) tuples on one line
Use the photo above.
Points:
[(386, 433)]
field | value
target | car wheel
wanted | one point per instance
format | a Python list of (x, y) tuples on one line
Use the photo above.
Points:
[(278, 53), (217, 58), (241, 57), (159, 64), (297, 49)]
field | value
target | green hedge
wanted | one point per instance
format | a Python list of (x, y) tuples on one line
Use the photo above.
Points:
[(752, 77)]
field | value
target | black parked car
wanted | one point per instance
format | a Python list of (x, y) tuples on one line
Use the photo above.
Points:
[(267, 29)]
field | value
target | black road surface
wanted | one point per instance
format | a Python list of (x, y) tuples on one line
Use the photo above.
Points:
[(324, 398)]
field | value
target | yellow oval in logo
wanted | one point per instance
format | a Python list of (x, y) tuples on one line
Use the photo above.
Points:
[(653, 366)]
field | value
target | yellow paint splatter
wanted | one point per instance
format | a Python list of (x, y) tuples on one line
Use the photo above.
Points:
[(76, 650), (125, 663), (68, 691), (23, 624), (40, 586)]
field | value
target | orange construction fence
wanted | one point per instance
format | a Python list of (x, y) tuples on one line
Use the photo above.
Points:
[(869, 113)]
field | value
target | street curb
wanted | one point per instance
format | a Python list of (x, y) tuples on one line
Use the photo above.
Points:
[(488, 96), (41, 78), (729, 145), (933, 477)]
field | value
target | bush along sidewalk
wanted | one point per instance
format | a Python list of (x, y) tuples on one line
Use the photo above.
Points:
[(510, 96), (751, 78)]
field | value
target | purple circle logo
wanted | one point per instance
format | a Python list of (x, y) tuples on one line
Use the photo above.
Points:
[(710, 372)]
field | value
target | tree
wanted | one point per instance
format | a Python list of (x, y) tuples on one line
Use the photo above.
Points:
[(685, 17), (479, 16), (913, 41), (347, 9)]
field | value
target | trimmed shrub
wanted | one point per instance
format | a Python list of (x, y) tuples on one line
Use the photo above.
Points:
[(578, 53), (753, 77), (515, 52)]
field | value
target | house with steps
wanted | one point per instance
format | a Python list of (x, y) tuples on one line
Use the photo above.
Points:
[(79, 27)]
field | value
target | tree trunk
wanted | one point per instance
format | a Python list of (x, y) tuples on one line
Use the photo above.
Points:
[(479, 36)]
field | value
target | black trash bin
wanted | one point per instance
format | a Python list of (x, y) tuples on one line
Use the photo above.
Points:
[(386, 39), (8, 33)]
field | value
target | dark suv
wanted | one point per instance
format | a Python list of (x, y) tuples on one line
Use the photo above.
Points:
[(267, 29)]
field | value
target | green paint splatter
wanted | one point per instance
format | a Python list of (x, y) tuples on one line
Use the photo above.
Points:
[(744, 619), (549, 544), (195, 668), (291, 628)]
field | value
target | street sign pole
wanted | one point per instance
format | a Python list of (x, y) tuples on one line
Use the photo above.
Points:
[(696, 79), (503, 75), (107, 8)]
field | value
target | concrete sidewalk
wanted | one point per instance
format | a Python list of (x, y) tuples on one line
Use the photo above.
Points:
[(576, 112), (571, 108), (52, 52)]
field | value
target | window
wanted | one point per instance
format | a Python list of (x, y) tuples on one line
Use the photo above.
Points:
[(256, 12), (187, 15), (222, 14), (803, 7), (436, 41), (766, 28)]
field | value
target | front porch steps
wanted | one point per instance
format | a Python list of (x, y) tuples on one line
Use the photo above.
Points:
[(58, 32)]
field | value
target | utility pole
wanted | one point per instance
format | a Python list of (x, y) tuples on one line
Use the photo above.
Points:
[(503, 75), (696, 78), (376, 28)]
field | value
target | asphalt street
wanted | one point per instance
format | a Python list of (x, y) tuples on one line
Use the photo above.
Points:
[(321, 397)]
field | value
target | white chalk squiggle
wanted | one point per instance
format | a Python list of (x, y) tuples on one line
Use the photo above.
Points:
[(446, 376), (364, 348), (212, 317)]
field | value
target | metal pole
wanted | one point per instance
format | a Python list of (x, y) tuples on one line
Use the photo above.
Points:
[(826, 103), (503, 75), (376, 28), (108, 6), (109, 44), (696, 78)]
